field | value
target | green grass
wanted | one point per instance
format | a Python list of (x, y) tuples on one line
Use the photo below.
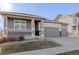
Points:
[(27, 46), (75, 52)]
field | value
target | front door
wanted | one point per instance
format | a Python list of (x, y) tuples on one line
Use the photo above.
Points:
[(37, 31), (60, 33)]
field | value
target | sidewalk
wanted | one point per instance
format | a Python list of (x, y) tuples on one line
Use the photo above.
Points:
[(68, 44)]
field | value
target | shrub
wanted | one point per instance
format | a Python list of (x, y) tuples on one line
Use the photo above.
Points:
[(21, 38), (4, 39), (1, 39), (11, 38)]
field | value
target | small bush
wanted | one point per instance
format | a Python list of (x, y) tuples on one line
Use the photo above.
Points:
[(4, 39), (21, 38), (11, 38), (1, 39)]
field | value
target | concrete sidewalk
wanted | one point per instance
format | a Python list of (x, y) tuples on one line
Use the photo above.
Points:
[(68, 44)]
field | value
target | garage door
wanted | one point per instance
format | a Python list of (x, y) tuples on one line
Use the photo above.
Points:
[(51, 32)]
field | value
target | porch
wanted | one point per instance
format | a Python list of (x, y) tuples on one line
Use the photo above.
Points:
[(33, 28), (75, 31)]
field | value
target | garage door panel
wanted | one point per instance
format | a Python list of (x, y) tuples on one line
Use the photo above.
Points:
[(51, 32)]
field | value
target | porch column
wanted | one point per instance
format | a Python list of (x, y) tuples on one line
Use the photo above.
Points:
[(42, 29), (33, 27), (5, 26)]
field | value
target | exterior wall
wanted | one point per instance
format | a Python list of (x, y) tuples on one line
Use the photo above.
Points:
[(48, 24), (66, 19)]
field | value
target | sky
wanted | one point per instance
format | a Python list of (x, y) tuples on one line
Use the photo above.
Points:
[(48, 10)]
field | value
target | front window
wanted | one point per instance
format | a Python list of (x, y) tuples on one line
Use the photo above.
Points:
[(19, 24), (76, 20), (23, 24)]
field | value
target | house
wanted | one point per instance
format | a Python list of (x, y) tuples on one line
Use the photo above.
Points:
[(72, 21), (30, 26), (20, 24)]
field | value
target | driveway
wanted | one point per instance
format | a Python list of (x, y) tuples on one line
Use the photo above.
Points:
[(66, 40), (67, 44)]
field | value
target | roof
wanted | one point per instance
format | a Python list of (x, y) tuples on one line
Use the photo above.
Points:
[(56, 19), (75, 14), (51, 21), (64, 16), (20, 14)]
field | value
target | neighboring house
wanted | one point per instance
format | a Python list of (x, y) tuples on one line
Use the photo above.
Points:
[(20, 24), (55, 29), (72, 21)]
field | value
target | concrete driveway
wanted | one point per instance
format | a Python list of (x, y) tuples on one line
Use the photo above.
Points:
[(67, 44), (66, 40)]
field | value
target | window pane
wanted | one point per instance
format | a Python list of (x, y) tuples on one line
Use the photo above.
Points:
[(23, 26), (23, 22), (17, 22), (20, 24), (17, 26)]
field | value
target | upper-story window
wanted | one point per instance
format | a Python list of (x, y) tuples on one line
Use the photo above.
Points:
[(76, 20), (19, 24)]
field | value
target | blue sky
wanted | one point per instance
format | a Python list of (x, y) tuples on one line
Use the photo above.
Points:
[(48, 10)]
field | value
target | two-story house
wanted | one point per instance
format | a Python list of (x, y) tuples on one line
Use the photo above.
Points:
[(72, 21)]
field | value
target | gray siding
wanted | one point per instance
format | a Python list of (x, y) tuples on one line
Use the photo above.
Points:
[(51, 32), (10, 23), (4, 22)]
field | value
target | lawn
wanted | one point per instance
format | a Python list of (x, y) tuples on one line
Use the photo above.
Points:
[(75, 52), (26, 46)]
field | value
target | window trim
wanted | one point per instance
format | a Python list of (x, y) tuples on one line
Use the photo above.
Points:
[(19, 24)]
